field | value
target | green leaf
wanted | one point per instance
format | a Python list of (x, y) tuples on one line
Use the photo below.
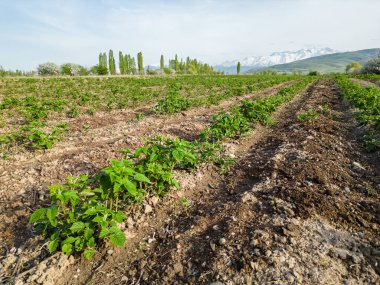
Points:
[(77, 227), (91, 211), (119, 216), (141, 178), (51, 214), (53, 246), (178, 155), (104, 233), (117, 237), (91, 242), (69, 240), (131, 187), (38, 215), (67, 249), (88, 233), (89, 253)]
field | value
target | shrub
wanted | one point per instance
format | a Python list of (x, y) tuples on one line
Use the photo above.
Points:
[(313, 73), (73, 69), (47, 69), (372, 66)]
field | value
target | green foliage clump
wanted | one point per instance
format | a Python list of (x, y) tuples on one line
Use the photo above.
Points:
[(309, 115), (372, 66), (173, 102), (227, 125)]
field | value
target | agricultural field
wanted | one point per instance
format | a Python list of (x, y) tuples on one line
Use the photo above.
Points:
[(233, 179)]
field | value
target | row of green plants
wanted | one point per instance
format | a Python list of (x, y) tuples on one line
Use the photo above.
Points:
[(366, 100), (88, 209), (175, 102), (241, 119), (33, 136), (32, 109)]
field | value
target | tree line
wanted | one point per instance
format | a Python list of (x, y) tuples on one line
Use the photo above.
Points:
[(128, 65)]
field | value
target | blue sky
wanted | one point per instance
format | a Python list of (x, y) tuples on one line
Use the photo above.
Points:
[(37, 31)]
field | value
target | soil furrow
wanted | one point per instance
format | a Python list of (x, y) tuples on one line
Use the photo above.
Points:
[(24, 181), (301, 208)]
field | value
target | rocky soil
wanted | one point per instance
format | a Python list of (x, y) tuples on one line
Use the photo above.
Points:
[(300, 206)]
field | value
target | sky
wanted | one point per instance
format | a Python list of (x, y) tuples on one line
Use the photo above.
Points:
[(60, 31)]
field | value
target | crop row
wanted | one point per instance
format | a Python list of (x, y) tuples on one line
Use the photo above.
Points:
[(87, 209), (180, 95), (366, 101)]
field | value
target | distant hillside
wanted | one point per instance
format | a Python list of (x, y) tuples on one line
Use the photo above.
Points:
[(336, 62)]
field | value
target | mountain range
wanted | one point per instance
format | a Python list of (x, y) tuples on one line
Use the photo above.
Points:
[(275, 58), (329, 63)]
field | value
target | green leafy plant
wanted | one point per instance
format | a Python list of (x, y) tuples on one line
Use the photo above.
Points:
[(309, 115)]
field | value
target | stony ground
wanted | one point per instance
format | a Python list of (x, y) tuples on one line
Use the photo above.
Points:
[(300, 206)]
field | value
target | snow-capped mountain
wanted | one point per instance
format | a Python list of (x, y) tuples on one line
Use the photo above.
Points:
[(279, 57)]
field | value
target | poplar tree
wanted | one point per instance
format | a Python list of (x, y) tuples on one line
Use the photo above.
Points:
[(162, 63), (133, 65), (176, 63), (122, 63), (111, 63), (238, 67), (140, 62)]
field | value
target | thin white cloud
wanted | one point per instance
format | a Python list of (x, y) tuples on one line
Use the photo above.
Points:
[(213, 31)]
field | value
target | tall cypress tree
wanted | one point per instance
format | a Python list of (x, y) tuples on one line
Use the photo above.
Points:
[(140, 63), (238, 67), (111, 63), (162, 63), (133, 65), (121, 63), (176, 63)]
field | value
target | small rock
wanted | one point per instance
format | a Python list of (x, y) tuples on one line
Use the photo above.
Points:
[(222, 241), (124, 278), (341, 253), (215, 227), (130, 223), (283, 240), (355, 258), (248, 197), (110, 252), (211, 186), (290, 278), (357, 165), (178, 267), (148, 209), (154, 200), (347, 189), (309, 137)]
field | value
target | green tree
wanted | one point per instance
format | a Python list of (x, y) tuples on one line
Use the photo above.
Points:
[(140, 63), (162, 63), (176, 63), (111, 63), (238, 67), (101, 68), (353, 67), (122, 63)]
